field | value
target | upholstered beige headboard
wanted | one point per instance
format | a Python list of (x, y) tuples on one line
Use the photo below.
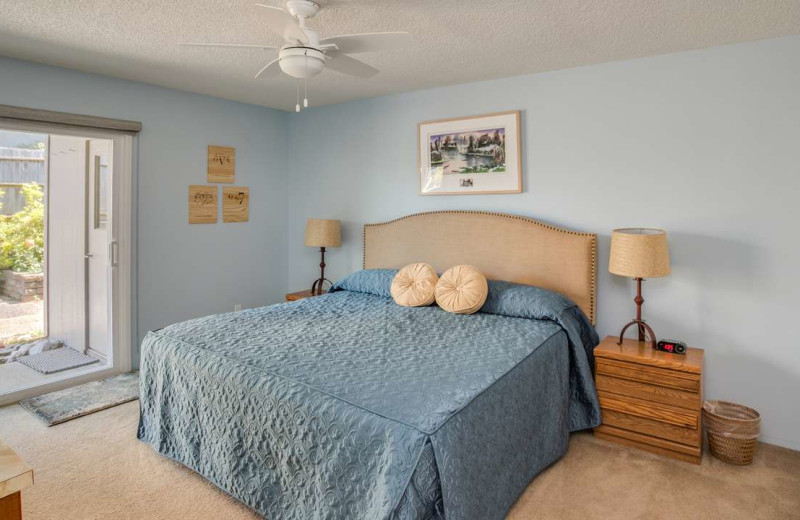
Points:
[(504, 247)]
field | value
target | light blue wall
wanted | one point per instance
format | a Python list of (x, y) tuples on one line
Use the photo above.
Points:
[(703, 144), (183, 271)]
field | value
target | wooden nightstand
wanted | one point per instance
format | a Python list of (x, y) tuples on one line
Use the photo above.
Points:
[(293, 297), (15, 476), (650, 400)]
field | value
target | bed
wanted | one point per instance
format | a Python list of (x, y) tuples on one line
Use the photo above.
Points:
[(350, 406)]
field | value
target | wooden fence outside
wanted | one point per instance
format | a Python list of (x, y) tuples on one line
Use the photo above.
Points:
[(19, 166)]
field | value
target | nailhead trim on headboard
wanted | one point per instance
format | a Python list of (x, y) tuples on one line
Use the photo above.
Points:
[(592, 296)]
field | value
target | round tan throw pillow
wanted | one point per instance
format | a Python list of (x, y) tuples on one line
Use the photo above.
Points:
[(462, 289), (413, 285)]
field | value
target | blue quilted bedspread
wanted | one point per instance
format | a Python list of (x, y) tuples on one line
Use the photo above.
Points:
[(350, 406)]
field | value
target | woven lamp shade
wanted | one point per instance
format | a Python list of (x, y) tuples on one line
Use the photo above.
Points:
[(323, 233), (639, 253)]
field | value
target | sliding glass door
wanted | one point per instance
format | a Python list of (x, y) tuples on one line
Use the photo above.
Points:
[(78, 243), (85, 266), (99, 247)]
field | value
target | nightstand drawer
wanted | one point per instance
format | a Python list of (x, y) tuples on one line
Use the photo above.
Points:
[(656, 412), (688, 436), (647, 439), (649, 392), (650, 443), (650, 375)]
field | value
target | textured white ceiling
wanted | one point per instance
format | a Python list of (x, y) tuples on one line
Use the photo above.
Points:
[(454, 41)]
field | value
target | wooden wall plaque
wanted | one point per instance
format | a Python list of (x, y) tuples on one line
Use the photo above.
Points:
[(202, 204), (235, 204), (221, 164)]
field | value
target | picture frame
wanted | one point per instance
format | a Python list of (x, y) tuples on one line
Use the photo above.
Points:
[(474, 155)]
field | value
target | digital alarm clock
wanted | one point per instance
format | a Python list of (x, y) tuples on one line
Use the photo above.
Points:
[(671, 345)]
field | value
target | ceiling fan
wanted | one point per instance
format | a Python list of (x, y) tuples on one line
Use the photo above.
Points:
[(304, 55)]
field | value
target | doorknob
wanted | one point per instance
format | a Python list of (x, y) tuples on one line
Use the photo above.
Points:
[(88, 256)]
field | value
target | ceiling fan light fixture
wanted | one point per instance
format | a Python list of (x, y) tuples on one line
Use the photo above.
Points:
[(302, 62)]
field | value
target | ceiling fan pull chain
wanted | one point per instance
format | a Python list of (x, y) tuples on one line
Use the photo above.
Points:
[(305, 94), (297, 106)]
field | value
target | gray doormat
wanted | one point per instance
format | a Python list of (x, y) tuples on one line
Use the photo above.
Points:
[(58, 360), (71, 403)]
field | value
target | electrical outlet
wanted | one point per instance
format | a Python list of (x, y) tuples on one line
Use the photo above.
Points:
[(237, 307)]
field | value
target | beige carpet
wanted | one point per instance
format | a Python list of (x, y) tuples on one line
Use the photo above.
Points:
[(94, 468)]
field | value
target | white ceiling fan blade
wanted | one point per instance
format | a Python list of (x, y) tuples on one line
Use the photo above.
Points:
[(284, 24), (369, 42), (230, 45), (351, 66), (271, 69)]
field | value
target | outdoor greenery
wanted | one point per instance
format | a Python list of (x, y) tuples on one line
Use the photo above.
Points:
[(23, 337), (22, 234)]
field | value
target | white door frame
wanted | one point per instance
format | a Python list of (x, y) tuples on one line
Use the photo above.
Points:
[(122, 290)]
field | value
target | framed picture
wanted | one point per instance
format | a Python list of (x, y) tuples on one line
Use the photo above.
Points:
[(471, 155)]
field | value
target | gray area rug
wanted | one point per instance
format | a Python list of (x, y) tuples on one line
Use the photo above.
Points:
[(58, 360), (71, 403)]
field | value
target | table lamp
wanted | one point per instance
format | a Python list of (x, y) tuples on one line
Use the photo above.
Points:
[(639, 253), (322, 233)]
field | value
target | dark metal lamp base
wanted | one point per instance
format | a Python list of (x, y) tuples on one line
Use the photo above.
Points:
[(644, 330), (641, 326), (316, 287)]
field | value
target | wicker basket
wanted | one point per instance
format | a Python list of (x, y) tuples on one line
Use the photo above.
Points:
[(732, 431)]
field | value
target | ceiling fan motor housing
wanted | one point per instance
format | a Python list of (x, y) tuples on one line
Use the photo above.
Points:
[(301, 62), (302, 8)]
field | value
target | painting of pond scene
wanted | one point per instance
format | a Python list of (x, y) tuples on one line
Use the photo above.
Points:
[(481, 151), (470, 155)]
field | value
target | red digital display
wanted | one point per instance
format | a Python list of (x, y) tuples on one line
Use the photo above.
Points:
[(671, 346)]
